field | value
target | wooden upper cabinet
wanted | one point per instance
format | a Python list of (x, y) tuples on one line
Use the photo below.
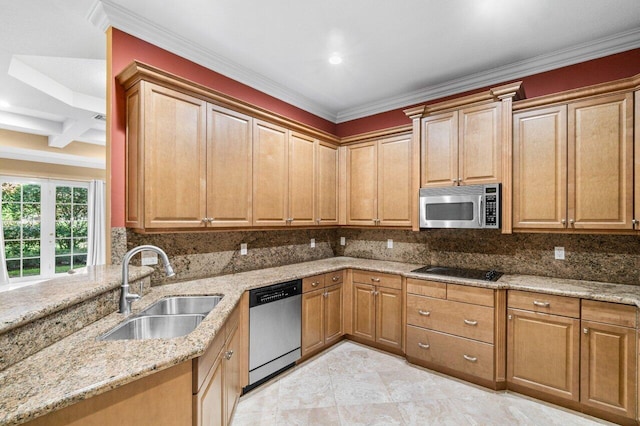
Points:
[(270, 174), (229, 167), (302, 187), (480, 144), (170, 146), (462, 147), (327, 184), (362, 184), (439, 150), (379, 182), (600, 175), (540, 168)]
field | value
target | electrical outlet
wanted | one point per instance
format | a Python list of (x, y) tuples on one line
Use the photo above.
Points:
[(389, 243), (149, 258), (559, 253), (343, 241), (243, 249), (313, 243)]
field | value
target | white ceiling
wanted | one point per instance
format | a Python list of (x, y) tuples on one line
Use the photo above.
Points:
[(396, 53)]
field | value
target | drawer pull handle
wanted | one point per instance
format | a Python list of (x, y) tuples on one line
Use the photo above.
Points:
[(228, 355), (586, 330), (375, 280), (424, 345), (470, 322), (470, 358), (541, 304), (334, 279), (424, 313), (315, 283)]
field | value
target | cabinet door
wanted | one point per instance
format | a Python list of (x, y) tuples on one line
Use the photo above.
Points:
[(543, 353), (327, 179), (209, 402), (608, 368), (439, 156), (302, 185), (394, 181), (174, 159), (389, 316), (232, 386), (362, 184), (270, 174), (636, 133), (364, 311), (480, 144), (333, 314), (229, 167), (312, 321), (601, 162), (540, 168)]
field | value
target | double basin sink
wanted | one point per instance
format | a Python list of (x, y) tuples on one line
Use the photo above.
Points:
[(167, 318)]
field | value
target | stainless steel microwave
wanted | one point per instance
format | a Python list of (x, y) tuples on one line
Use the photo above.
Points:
[(469, 207)]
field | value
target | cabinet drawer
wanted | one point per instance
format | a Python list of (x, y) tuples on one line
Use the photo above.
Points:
[(547, 303), (332, 278), (377, 278), (475, 295), (609, 313), (462, 319), (312, 283), (427, 288), (456, 353)]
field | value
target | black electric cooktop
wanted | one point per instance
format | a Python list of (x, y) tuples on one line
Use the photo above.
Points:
[(474, 274)]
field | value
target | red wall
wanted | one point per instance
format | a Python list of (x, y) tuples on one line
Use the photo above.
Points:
[(125, 48)]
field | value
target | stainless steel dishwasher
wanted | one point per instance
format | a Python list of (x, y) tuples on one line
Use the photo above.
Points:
[(274, 330)]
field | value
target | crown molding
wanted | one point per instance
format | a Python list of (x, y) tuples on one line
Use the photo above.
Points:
[(105, 14), (23, 154)]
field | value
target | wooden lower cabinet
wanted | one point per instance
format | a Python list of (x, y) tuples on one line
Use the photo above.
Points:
[(216, 394), (322, 312), (377, 310), (543, 353)]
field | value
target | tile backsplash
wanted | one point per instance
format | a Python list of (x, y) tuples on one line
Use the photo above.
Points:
[(610, 258)]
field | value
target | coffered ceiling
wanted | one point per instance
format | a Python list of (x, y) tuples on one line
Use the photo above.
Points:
[(395, 53)]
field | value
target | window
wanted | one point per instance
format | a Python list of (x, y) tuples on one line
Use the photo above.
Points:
[(45, 226)]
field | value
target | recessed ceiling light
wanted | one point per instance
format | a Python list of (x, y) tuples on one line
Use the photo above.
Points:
[(335, 59)]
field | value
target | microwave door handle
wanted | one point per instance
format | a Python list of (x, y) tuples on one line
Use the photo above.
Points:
[(480, 212)]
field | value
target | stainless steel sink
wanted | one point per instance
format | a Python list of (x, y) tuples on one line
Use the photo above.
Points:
[(182, 305), (154, 327)]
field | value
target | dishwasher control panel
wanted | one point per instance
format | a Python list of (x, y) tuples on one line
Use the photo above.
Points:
[(273, 293)]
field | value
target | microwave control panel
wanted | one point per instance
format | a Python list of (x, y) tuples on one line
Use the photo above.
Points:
[(492, 204)]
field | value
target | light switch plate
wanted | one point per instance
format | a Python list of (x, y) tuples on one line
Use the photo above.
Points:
[(313, 243), (243, 249), (559, 253), (149, 258), (343, 241), (389, 243)]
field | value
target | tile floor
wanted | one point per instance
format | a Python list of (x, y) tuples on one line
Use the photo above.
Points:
[(351, 384)]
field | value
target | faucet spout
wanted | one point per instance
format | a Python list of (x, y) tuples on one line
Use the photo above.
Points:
[(127, 298)]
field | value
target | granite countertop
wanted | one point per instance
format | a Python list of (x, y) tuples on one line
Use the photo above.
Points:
[(79, 366)]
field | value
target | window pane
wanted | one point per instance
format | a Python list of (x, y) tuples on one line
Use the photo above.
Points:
[(31, 230), (63, 246), (63, 229), (30, 267), (13, 267), (11, 230), (31, 193), (80, 212), (11, 192), (79, 228), (80, 195), (12, 249), (63, 211), (31, 212), (79, 245), (63, 194), (11, 212), (31, 248), (63, 264), (79, 261)]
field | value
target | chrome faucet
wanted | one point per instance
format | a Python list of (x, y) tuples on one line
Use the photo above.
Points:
[(127, 298)]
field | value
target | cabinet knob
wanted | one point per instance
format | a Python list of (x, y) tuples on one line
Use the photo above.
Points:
[(315, 283), (510, 317), (318, 221), (571, 221), (470, 358), (634, 222), (424, 313), (470, 322), (564, 221), (228, 355), (585, 330), (423, 345), (334, 279), (375, 280), (326, 294)]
